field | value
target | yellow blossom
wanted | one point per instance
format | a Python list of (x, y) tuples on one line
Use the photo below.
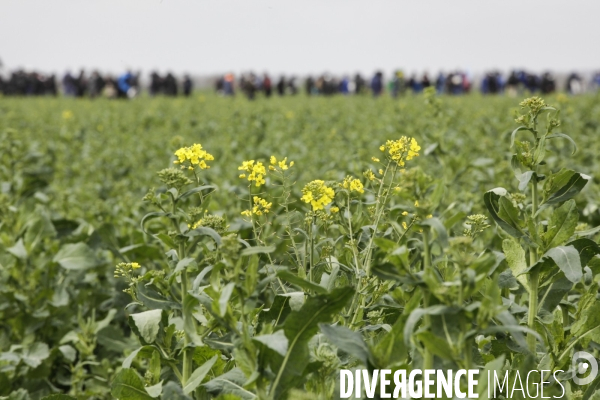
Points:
[(292, 164), (260, 207), (334, 209), (404, 213), (404, 225), (195, 155), (380, 171), (317, 194), (375, 159), (401, 150), (135, 265), (273, 160), (429, 216), (416, 203), (353, 185), (256, 171)]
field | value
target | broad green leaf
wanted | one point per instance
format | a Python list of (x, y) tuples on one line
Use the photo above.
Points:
[(127, 385), (36, 354), (302, 283), (515, 258), (503, 211), (196, 190), (198, 375), (144, 351), (147, 323), (39, 229), (587, 249), (391, 349), (258, 250), (524, 179), (155, 390), (153, 299), (567, 259), (18, 250), (275, 341), (172, 391), (561, 225), (559, 192), (436, 345), (588, 325), (183, 264), (347, 340), (77, 256), (204, 231), (230, 383)]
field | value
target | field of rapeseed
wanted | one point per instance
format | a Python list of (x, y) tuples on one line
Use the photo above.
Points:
[(217, 248)]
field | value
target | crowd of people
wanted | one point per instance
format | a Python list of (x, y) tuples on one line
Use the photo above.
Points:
[(452, 83), (127, 85)]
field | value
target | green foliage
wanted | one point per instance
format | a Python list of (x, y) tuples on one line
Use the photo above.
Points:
[(221, 295)]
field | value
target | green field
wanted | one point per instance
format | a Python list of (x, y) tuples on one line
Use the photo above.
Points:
[(119, 282)]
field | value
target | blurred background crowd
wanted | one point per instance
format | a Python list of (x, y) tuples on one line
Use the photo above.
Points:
[(251, 85)]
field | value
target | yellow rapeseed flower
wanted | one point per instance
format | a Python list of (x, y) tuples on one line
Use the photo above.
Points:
[(401, 150), (135, 265), (334, 209), (353, 185), (195, 155), (404, 213), (404, 225), (256, 171), (317, 194)]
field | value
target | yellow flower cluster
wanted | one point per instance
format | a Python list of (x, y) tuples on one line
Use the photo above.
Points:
[(369, 175), (195, 155), (401, 150), (317, 194), (261, 206), (353, 185), (256, 171), (282, 164)]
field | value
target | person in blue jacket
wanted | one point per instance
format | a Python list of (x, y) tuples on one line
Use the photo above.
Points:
[(125, 85)]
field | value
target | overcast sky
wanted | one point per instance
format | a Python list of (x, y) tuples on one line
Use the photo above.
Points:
[(301, 36)]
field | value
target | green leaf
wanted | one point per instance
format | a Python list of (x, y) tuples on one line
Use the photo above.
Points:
[(172, 391), (257, 250), (147, 323), (564, 136), (275, 341), (494, 365), (524, 179), (155, 390), (204, 231), (230, 383), (39, 229), (183, 264), (196, 190), (587, 249), (588, 325), (224, 298), (561, 225), (562, 192), (77, 256), (127, 385), (418, 313), (347, 340), (503, 211), (391, 349), (300, 326), (153, 299), (58, 397), (144, 351), (302, 283), (436, 345), (18, 250), (198, 375), (35, 354), (567, 259), (515, 258)]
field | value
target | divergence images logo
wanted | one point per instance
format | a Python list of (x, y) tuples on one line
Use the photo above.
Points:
[(581, 368)]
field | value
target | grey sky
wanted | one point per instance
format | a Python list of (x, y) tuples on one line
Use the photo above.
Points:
[(302, 36)]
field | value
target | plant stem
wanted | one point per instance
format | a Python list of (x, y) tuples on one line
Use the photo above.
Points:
[(427, 356), (187, 352), (533, 275)]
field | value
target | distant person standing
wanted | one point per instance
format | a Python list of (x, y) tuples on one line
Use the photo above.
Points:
[(267, 85), (281, 86), (188, 85), (228, 85), (377, 84), (69, 87), (125, 85)]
